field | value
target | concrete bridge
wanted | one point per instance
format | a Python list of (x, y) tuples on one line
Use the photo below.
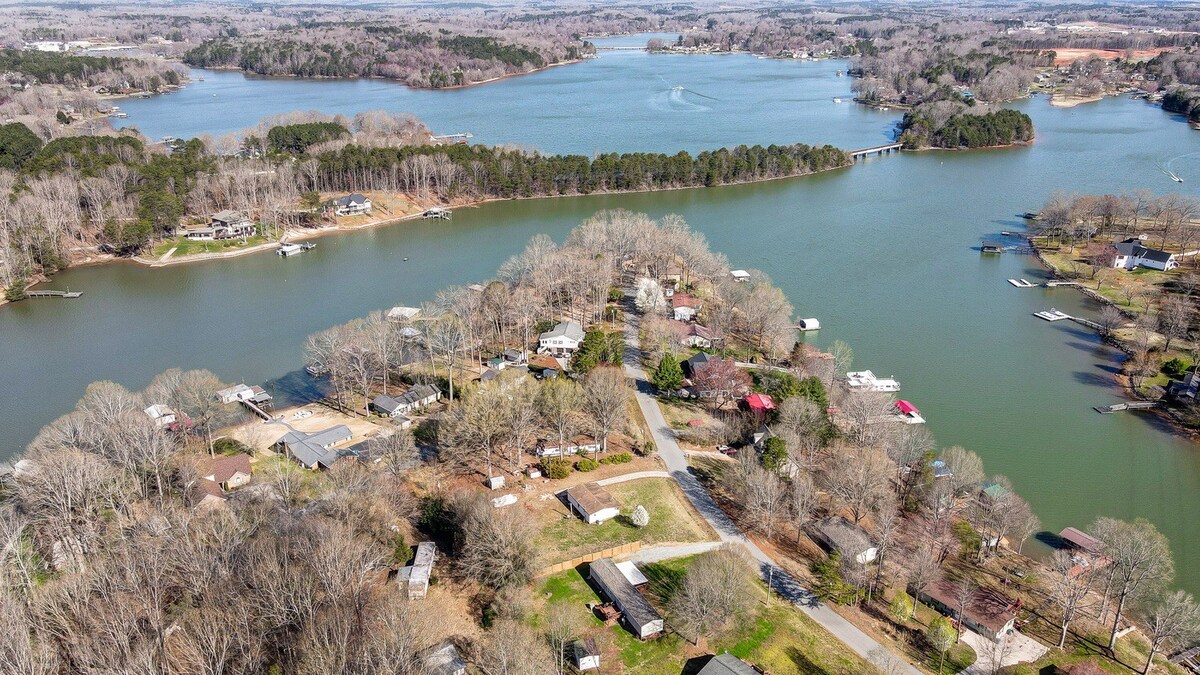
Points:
[(877, 150)]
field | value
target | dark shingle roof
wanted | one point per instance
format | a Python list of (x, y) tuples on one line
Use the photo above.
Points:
[(727, 664), (613, 583)]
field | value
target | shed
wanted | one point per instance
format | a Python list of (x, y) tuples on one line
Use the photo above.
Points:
[(760, 403), (638, 615), (809, 324), (495, 482), (740, 275), (443, 659), (593, 503), (835, 533), (585, 655), (727, 664), (422, 569)]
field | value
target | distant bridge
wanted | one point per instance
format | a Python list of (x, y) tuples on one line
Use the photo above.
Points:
[(877, 150)]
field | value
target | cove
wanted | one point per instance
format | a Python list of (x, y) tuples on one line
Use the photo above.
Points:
[(883, 253)]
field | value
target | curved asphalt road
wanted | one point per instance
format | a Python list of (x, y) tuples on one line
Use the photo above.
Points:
[(781, 582)]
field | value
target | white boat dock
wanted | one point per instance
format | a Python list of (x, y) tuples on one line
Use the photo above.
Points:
[(437, 212), (1051, 315), (286, 250), (865, 380), (1022, 283)]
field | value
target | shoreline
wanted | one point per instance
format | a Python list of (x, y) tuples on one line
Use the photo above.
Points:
[(303, 235), (1119, 379)]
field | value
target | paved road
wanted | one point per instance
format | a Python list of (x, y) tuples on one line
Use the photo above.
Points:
[(781, 582)]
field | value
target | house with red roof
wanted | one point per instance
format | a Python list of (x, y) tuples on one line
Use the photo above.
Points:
[(684, 307), (759, 403)]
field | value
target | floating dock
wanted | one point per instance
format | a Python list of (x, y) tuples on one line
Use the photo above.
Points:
[(54, 294), (1134, 405), (437, 212), (1055, 284), (1022, 283), (1052, 315)]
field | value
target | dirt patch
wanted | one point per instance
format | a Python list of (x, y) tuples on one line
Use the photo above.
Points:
[(261, 437), (1068, 55)]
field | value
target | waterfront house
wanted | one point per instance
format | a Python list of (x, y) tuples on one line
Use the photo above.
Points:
[(514, 357), (865, 380), (402, 314), (352, 205), (314, 450), (988, 611), (580, 445), (562, 340), (228, 472), (223, 225), (417, 398), (593, 503), (1185, 388), (1086, 551), (161, 415), (637, 614), (740, 275), (835, 533), (1130, 254), (242, 393), (728, 664), (684, 307), (908, 413)]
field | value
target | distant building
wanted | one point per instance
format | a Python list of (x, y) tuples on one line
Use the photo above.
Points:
[(740, 275), (228, 471), (390, 407), (241, 393), (162, 415), (585, 655), (593, 503), (562, 340), (694, 335), (865, 380), (403, 313), (684, 307), (422, 570), (759, 403), (352, 205), (637, 614)]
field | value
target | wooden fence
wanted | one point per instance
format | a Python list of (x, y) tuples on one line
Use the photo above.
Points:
[(613, 552)]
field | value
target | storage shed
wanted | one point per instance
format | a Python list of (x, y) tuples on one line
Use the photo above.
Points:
[(593, 503)]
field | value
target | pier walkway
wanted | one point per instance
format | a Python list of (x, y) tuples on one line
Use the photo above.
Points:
[(1132, 405), (54, 294)]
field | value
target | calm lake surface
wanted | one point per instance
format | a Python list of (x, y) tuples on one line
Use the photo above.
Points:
[(883, 253)]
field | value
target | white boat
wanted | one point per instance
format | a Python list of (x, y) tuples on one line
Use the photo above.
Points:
[(286, 250), (837, 100), (865, 380)]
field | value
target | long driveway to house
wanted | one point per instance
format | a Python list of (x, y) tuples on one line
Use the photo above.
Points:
[(781, 582)]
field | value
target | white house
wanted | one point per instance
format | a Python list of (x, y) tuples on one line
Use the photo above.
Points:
[(352, 205), (416, 398), (403, 313), (694, 335), (638, 615), (562, 340), (223, 225), (593, 503), (161, 414), (1131, 255), (740, 275), (684, 307)]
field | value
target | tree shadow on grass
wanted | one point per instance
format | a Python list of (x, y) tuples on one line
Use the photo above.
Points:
[(664, 580), (803, 663)]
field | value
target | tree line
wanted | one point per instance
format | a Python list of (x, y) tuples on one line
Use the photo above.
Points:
[(928, 126)]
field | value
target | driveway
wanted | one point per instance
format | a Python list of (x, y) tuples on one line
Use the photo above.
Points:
[(782, 583), (990, 656)]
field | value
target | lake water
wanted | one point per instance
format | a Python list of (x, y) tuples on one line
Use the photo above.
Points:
[(883, 253)]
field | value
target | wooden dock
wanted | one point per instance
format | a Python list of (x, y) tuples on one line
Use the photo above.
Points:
[(437, 212), (54, 294), (1022, 283), (1056, 284), (1132, 405)]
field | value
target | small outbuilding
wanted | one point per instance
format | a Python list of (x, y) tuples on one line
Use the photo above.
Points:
[(835, 533), (740, 275), (638, 615), (809, 324), (443, 659), (422, 570), (593, 503), (585, 655), (727, 664)]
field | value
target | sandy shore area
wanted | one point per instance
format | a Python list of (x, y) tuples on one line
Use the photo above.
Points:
[(1070, 101)]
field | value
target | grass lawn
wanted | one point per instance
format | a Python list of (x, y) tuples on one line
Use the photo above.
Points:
[(672, 519), (185, 246), (779, 639)]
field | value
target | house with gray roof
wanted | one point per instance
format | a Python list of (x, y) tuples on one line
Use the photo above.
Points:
[(314, 450), (1131, 255), (728, 664), (352, 205), (416, 398), (562, 340), (226, 224), (637, 614), (835, 533)]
